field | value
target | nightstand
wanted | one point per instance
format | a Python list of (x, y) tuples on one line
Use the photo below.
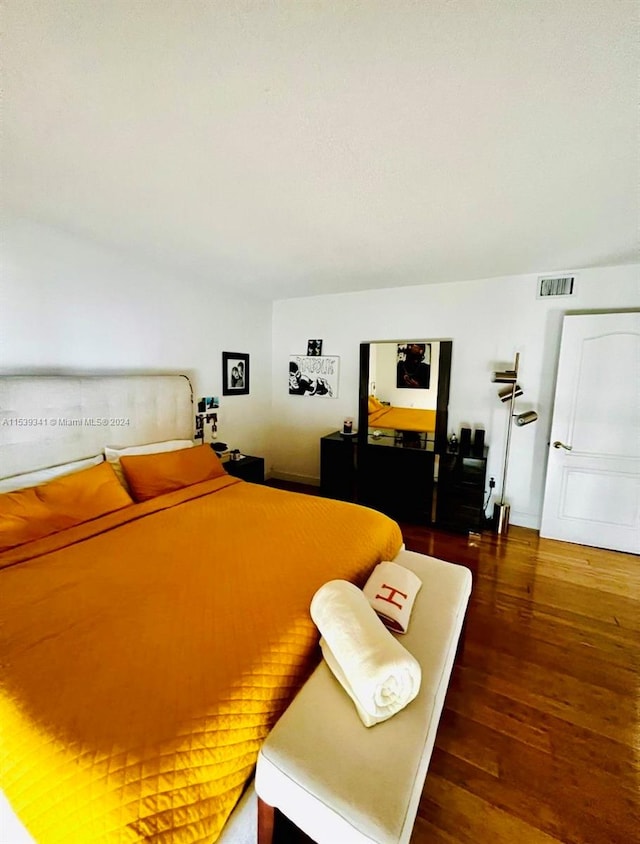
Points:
[(248, 469)]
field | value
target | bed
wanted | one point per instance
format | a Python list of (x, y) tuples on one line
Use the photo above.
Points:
[(148, 650), (388, 417)]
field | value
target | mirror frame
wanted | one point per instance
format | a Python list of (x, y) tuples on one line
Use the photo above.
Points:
[(442, 402)]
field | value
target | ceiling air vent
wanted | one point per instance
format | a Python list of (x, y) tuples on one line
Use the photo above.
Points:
[(549, 286)]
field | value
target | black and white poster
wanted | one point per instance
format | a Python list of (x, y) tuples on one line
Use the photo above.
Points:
[(314, 376)]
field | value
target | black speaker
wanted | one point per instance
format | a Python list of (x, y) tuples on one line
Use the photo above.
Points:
[(478, 442), (465, 440)]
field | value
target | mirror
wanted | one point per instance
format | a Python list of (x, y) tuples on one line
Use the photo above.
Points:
[(404, 393)]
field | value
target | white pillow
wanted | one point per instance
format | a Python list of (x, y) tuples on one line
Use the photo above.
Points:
[(41, 476), (113, 455)]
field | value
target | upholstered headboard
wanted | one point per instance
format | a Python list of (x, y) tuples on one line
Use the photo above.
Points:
[(49, 420)]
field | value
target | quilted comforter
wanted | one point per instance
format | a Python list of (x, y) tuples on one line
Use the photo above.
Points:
[(146, 654)]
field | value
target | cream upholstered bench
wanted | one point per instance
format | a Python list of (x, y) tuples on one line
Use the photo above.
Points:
[(342, 782)]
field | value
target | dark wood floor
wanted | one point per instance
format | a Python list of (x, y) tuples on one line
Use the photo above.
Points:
[(539, 740)]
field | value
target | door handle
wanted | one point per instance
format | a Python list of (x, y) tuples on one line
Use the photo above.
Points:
[(558, 444)]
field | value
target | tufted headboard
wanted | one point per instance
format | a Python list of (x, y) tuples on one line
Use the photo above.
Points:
[(46, 420)]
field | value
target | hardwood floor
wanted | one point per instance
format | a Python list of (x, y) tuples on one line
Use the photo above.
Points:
[(540, 737), (539, 740)]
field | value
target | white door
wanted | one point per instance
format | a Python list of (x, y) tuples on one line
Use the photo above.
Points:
[(592, 493)]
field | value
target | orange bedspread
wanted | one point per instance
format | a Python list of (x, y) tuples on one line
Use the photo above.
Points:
[(403, 419), (147, 654)]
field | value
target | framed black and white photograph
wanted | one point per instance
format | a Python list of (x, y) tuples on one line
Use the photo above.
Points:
[(310, 375), (235, 374), (314, 348)]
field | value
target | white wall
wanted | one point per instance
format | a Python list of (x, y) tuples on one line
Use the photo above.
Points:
[(489, 320), (69, 305)]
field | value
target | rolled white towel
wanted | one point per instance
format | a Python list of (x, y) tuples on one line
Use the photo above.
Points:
[(375, 670), (391, 591)]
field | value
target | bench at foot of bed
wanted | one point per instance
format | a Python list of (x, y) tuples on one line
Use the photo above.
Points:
[(340, 781)]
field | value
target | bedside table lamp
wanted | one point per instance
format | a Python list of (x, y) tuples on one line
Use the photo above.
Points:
[(509, 394)]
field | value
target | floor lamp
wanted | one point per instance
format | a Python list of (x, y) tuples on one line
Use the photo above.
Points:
[(508, 395)]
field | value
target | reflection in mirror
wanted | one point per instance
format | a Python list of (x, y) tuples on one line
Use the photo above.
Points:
[(404, 392), (405, 374)]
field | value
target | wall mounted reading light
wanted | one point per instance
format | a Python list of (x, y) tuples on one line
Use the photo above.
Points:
[(509, 394)]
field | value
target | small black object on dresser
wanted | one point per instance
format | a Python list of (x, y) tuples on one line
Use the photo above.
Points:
[(461, 491), (465, 440), (248, 468)]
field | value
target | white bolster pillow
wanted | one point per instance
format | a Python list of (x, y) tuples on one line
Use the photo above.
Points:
[(375, 670)]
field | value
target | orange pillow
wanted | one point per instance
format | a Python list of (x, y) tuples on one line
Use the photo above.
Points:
[(374, 404), (149, 475), (38, 511)]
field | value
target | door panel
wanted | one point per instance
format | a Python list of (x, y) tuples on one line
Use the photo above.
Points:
[(592, 493), (607, 396), (599, 497)]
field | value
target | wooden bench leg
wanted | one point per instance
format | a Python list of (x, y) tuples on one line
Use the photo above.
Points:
[(266, 819)]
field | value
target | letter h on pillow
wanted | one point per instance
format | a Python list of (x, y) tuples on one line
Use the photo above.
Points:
[(391, 590)]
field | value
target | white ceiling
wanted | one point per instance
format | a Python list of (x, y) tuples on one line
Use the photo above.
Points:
[(306, 146)]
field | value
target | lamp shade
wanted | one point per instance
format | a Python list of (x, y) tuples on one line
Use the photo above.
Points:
[(526, 418), (506, 393), (505, 376)]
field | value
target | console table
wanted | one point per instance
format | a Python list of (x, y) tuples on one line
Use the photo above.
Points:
[(391, 478), (395, 475), (399, 481)]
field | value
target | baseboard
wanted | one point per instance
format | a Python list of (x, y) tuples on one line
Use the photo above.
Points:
[(524, 520), (308, 480)]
